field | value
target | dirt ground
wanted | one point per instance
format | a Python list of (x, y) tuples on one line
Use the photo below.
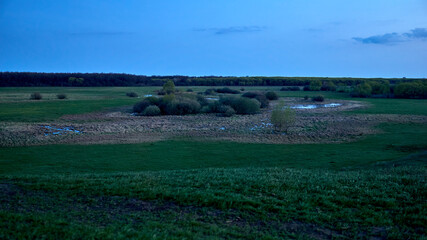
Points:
[(321, 125)]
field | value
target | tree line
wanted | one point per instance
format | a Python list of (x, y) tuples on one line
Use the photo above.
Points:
[(37, 79)]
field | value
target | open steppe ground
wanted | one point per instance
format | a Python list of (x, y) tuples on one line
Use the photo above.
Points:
[(355, 171)]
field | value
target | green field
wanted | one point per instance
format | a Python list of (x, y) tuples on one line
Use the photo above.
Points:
[(373, 187)]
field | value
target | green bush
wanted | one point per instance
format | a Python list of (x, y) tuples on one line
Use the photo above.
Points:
[(261, 98), (271, 96), (169, 87), (411, 90), (283, 118), (244, 105), (141, 106), (227, 90), (189, 90), (328, 86), (132, 94), (294, 88), (318, 98), (379, 88), (36, 96), (226, 111), (151, 110), (315, 85), (183, 106), (61, 96), (362, 90)]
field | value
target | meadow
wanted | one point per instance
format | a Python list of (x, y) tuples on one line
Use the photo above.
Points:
[(373, 186)]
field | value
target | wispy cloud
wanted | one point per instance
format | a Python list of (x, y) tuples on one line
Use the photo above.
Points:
[(232, 30), (393, 38)]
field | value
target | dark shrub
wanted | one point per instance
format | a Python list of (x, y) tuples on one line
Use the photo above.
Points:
[(132, 94), (271, 96), (242, 89), (141, 106), (319, 98), (161, 92), (328, 86), (189, 90), (169, 87), (362, 90), (202, 100), (294, 88), (245, 105), (153, 100), (306, 88), (227, 90), (226, 111), (261, 98), (183, 106), (151, 110), (315, 85), (61, 96), (305, 97), (379, 88), (210, 91), (411, 90), (36, 96)]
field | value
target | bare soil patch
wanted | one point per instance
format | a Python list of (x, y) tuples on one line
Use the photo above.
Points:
[(319, 125)]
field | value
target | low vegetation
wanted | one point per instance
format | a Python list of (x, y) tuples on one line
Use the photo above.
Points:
[(36, 96), (61, 96), (132, 94)]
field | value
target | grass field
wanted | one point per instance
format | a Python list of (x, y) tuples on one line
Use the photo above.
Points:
[(374, 187)]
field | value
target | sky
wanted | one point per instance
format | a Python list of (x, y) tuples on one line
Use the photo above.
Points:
[(329, 38)]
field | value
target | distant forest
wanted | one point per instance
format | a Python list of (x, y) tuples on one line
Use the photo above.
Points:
[(35, 79)]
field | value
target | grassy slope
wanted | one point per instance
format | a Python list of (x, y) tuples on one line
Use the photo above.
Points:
[(395, 142), (223, 190)]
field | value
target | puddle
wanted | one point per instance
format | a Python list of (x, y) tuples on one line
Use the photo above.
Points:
[(222, 128), (148, 95), (59, 131), (314, 106), (263, 125), (212, 98)]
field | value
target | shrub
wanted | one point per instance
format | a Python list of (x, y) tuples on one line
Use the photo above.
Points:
[(36, 96), (379, 88), (132, 94), (261, 98), (141, 106), (242, 89), (305, 97), (411, 90), (244, 105), (227, 90), (271, 96), (210, 91), (283, 118), (362, 90), (169, 87), (226, 111), (295, 88), (306, 88), (328, 86), (202, 100), (318, 98), (315, 85), (189, 90), (61, 96), (183, 106), (151, 110)]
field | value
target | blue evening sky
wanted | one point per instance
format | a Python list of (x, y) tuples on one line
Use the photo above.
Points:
[(334, 38)]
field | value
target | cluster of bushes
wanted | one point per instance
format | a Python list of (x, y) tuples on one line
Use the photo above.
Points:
[(369, 89), (212, 91), (38, 96), (411, 90), (294, 88), (318, 98), (184, 104)]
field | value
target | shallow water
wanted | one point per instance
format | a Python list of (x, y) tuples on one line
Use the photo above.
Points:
[(314, 106), (59, 131)]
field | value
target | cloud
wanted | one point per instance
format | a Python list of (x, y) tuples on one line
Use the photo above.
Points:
[(232, 30), (393, 38)]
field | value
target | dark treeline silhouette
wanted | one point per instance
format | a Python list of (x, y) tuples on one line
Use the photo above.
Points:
[(35, 79)]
